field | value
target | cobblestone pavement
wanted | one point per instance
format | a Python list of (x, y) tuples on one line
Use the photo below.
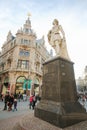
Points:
[(10, 123), (9, 119), (24, 119), (29, 122), (22, 108)]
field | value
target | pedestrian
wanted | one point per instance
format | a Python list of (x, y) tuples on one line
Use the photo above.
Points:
[(15, 95), (6, 100), (11, 101), (30, 101), (15, 104), (2, 97), (24, 97), (19, 96), (33, 102), (83, 99)]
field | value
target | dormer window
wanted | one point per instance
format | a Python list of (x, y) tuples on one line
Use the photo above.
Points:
[(30, 31), (26, 30)]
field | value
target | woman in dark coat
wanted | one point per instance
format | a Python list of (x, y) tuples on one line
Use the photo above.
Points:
[(11, 101), (6, 100)]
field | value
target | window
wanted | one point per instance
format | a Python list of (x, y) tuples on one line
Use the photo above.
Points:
[(29, 41), (24, 53), (26, 30), (23, 64), (30, 31), (2, 65), (25, 41), (42, 60), (21, 41)]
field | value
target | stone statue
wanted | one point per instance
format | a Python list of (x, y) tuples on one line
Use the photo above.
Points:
[(56, 38)]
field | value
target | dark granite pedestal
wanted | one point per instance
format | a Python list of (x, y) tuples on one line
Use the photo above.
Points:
[(59, 104)]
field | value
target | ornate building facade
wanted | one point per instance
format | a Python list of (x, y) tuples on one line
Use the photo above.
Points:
[(21, 61)]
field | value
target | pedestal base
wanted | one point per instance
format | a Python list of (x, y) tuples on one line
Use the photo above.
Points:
[(59, 104), (29, 122), (60, 114)]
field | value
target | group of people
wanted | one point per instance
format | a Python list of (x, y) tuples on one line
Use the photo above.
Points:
[(9, 101), (82, 98)]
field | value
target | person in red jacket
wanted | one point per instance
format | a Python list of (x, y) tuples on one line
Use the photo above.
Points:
[(31, 101)]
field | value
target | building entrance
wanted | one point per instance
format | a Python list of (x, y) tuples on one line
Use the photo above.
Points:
[(19, 84)]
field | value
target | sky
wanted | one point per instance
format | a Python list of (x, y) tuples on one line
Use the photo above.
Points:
[(71, 14)]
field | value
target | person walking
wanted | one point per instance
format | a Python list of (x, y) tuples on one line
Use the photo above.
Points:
[(33, 102), (30, 101), (11, 101), (15, 104), (2, 97), (6, 100), (83, 100)]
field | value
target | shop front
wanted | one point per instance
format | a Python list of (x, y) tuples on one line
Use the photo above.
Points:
[(19, 84), (23, 85)]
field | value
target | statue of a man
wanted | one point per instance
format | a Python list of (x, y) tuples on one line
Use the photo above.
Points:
[(56, 38)]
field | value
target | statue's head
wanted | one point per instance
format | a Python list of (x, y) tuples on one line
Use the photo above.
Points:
[(55, 22)]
